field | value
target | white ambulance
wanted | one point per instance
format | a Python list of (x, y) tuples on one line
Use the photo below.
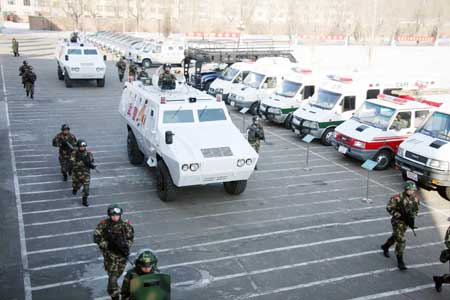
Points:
[(262, 81), (187, 135), (425, 156), (337, 99), (379, 126), (78, 61), (170, 52), (296, 87)]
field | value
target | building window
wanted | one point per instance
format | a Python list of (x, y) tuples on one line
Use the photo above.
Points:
[(11, 2), (26, 2)]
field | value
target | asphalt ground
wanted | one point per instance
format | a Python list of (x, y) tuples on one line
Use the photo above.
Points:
[(293, 234)]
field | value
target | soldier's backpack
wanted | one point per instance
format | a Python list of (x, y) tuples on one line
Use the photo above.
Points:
[(445, 256), (150, 287)]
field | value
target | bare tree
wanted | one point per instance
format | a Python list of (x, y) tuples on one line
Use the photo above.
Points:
[(74, 9), (91, 9)]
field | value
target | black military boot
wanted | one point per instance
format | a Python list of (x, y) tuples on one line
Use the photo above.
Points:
[(84, 201), (74, 191), (256, 167), (64, 176), (385, 247), (400, 263), (438, 283)]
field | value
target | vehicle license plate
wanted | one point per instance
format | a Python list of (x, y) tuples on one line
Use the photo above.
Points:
[(343, 149), (412, 175)]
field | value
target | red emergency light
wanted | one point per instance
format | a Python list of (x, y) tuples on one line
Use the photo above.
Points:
[(340, 78), (302, 71), (163, 100)]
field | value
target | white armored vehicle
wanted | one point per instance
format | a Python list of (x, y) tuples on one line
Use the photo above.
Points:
[(78, 61), (187, 135)]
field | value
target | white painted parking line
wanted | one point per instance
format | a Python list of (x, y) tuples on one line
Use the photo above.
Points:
[(57, 167), (23, 244), (92, 179), (399, 292), (59, 173)]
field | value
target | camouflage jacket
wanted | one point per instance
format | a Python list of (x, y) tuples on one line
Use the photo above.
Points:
[(132, 273), (166, 78), (398, 202), (255, 133), (22, 69), (60, 141), (82, 162), (121, 65), (29, 77), (121, 229), (15, 45)]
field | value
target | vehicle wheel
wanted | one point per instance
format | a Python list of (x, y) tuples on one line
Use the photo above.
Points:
[(254, 108), (67, 80), (101, 82), (207, 85), (164, 184), (147, 63), (326, 136), (60, 73), (404, 177), (135, 155), (384, 159), (287, 121), (444, 192), (235, 187)]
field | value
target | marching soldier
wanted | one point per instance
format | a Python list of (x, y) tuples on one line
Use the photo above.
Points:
[(445, 256), (142, 74), (145, 264), (15, 47), (403, 208), (66, 143), (29, 78), (121, 67), (82, 161), (255, 133), (22, 70), (114, 236), (167, 80)]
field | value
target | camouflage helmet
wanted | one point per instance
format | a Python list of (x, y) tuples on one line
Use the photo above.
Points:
[(65, 127), (410, 185), (24, 62), (81, 143), (114, 210), (256, 118), (167, 66), (146, 258)]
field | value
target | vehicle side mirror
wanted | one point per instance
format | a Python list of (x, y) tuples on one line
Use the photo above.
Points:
[(104, 57), (169, 137), (66, 57)]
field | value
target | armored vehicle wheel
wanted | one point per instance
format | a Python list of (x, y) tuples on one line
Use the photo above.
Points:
[(384, 159), (254, 108), (207, 85), (164, 184), (135, 155), (326, 137), (444, 192), (67, 80), (287, 121), (147, 63), (235, 187), (60, 73), (101, 82)]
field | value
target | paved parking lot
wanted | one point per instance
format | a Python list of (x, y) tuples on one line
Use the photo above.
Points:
[(293, 234)]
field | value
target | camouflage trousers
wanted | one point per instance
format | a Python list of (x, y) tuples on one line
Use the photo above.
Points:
[(64, 162), (81, 179), (256, 145), (398, 236), (114, 267), (29, 88), (121, 73)]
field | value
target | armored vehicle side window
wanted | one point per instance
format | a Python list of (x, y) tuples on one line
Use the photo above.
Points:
[(90, 52), (178, 116), (74, 51), (211, 114)]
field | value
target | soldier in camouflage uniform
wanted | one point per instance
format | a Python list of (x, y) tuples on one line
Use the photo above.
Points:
[(403, 208), (29, 78), (82, 162), (121, 67), (22, 70), (255, 133), (145, 264), (167, 80), (439, 280), (114, 236), (66, 143), (15, 47)]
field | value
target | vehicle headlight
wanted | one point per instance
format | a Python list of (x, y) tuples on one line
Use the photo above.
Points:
[(240, 98), (220, 91), (311, 124), (296, 121), (359, 144), (75, 69), (194, 167), (240, 162), (274, 110), (249, 161), (100, 69), (185, 167), (437, 164), (400, 152)]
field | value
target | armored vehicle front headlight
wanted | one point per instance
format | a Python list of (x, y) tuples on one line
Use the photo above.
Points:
[(100, 69), (185, 167), (194, 167), (75, 69), (248, 161), (240, 162)]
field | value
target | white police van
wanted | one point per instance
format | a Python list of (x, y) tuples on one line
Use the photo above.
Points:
[(78, 61), (425, 156), (187, 135)]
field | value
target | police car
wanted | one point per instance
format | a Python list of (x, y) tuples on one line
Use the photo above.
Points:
[(78, 61), (187, 135), (379, 126)]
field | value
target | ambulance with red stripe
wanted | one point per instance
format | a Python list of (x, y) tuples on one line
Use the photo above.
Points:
[(380, 125)]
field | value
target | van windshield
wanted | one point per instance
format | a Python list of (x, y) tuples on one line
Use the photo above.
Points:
[(288, 88), (374, 115), (74, 51), (228, 74), (326, 99), (253, 80), (90, 52), (211, 114), (437, 126), (178, 116)]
